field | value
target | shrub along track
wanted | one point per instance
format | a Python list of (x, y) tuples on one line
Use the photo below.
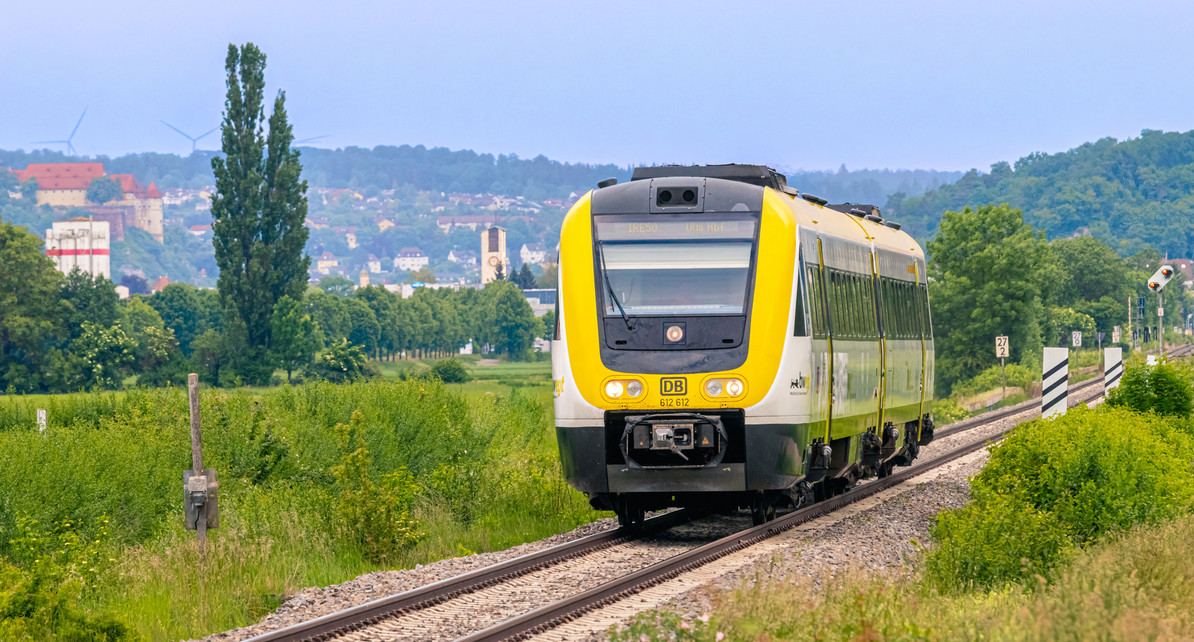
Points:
[(605, 568)]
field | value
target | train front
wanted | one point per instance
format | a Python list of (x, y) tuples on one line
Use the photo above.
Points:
[(675, 298)]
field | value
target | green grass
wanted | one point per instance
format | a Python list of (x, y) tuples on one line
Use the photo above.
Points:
[(1137, 586), (1078, 528), (485, 466)]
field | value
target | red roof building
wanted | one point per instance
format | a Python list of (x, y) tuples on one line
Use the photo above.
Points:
[(59, 176)]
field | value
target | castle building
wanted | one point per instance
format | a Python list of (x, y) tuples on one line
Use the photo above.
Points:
[(493, 254), (65, 185)]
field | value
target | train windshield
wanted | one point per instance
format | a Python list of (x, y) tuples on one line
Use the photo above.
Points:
[(675, 268)]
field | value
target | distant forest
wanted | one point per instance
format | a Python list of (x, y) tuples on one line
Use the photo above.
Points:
[(444, 170), (1131, 194), (381, 168)]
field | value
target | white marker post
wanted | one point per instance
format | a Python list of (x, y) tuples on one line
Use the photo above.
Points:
[(1113, 368), (41, 420), (1055, 382)]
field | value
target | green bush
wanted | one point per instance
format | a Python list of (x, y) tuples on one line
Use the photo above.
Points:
[(341, 362), (450, 371), (376, 514), (475, 472), (58, 567), (1082, 475), (991, 378), (1000, 540), (1164, 389)]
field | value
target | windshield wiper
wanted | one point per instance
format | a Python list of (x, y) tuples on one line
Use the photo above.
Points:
[(610, 288)]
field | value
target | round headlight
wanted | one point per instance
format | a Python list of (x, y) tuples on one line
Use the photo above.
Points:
[(675, 333), (734, 387), (713, 388), (613, 389), (634, 388)]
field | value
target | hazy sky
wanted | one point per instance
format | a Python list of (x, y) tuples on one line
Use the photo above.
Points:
[(943, 85)]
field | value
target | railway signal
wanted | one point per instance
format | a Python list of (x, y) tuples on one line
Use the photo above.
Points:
[(1156, 283)]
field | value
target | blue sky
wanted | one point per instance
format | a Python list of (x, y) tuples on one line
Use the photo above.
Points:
[(812, 85)]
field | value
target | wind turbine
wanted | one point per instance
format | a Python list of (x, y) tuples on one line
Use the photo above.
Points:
[(308, 140), (70, 148), (194, 139)]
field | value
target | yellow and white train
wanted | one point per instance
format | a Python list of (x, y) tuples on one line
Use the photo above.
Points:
[(722, 339)]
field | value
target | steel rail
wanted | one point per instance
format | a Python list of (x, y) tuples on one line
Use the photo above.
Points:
[(353, 618), (345, 621), (552, 615)]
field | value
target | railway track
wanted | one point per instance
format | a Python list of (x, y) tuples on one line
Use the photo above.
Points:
[(462, 598)]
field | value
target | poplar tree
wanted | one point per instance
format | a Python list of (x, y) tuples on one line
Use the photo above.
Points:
[(259, 205)]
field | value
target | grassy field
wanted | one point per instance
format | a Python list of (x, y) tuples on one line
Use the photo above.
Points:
[(1078, 529), (318, 484)]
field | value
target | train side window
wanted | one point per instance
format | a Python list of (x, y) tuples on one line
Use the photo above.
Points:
[(927, 323), (555, 336), (868, 291), (860, 307), (799, 328), (839, 318), (815, 302), (910, 310), (902, 308)]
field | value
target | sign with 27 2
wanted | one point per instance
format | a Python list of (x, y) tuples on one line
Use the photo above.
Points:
[(1001, 347)]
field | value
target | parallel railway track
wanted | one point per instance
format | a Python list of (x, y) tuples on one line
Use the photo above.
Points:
[(357, 622)]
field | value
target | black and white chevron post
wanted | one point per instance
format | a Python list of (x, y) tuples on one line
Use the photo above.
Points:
[(1113, 368), (1055, 384)]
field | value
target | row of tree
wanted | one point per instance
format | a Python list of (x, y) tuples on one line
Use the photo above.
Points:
[(993, 274), (71, 332)]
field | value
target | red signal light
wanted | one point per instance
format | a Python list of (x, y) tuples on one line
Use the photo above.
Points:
[(1152, 285), (1166, 272)]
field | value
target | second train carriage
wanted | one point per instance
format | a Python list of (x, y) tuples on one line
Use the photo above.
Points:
[(722, 339)]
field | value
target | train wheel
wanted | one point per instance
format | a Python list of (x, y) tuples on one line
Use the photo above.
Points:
[(762, 510), (629, 510), (885, 468)]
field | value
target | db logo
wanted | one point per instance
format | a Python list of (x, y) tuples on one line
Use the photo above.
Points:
[(673, 386)]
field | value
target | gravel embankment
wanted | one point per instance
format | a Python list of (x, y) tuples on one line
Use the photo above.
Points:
[(877, 534), (317, 601)]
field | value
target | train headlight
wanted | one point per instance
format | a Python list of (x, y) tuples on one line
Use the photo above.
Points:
[(724, 388), (675, 333), (624, 389)]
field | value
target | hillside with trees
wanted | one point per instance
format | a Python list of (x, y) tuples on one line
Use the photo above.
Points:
[(1131, 194)]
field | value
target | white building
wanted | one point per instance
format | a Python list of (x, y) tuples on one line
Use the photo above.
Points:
[(533, 253), (374, 264), (326, 263), (80, 243), (541, 301), (411, 258)]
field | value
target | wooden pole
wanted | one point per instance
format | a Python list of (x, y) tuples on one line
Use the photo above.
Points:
[(197, 452)]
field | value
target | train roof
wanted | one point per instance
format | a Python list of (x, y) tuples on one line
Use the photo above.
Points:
[(759, 175)]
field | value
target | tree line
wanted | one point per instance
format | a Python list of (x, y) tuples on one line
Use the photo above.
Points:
[(1132, 194), (991, 274), (61, 333)]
